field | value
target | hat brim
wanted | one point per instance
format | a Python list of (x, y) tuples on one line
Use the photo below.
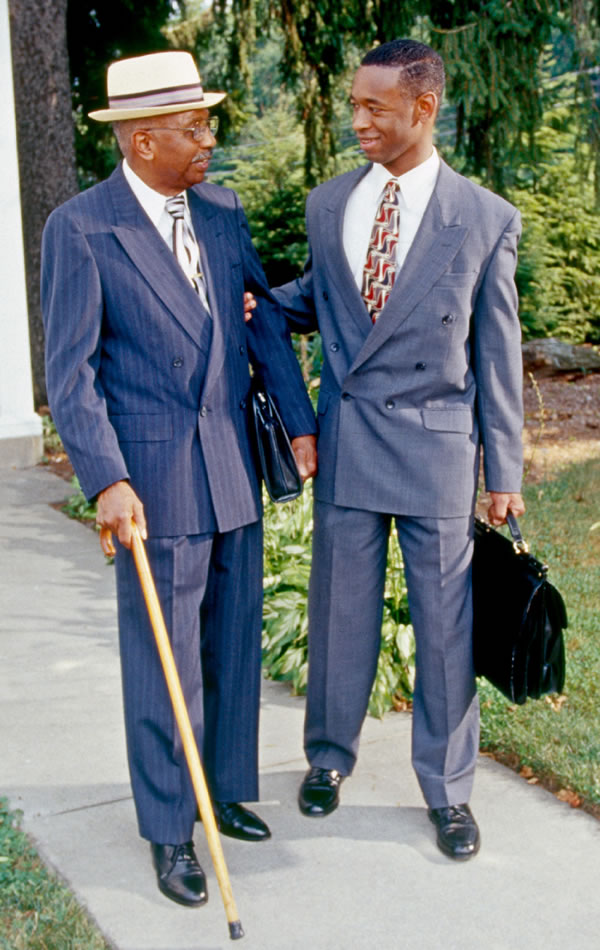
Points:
[(209, 100)]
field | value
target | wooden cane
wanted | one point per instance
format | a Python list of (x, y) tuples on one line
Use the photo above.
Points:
[(187, 736)]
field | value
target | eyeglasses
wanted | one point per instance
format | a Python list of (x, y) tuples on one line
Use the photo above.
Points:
[(196, 131)]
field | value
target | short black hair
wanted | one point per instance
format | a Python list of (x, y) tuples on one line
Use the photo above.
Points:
[(422, 68)]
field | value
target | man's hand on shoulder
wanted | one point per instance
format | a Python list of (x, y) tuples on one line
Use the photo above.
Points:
[(502, 502), (305, 451), (118, 505)]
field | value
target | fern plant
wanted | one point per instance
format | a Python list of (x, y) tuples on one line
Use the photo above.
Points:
[(288, 530)]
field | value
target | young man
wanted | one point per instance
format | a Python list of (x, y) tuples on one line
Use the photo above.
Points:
[(410, 282)]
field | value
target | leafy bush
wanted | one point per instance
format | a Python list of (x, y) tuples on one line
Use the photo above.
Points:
[(52, 440), (288, 530), (77, 506), (267, 173), (558, 275)]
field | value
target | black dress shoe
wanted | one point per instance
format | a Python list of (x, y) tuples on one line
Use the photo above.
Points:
[(457, 831), (319, 793), (235, 821), (180, 877)]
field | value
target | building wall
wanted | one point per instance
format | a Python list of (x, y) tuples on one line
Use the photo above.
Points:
[(20, 426)]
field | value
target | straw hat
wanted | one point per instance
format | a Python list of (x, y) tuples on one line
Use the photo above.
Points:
[(156, 84)]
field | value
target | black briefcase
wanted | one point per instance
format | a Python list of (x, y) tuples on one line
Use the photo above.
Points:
[(518, 617), (275, 454)]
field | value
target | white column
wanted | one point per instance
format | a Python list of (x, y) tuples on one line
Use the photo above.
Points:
[(20, 427)]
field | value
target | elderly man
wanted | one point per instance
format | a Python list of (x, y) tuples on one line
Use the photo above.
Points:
[(410, 281), (143, 284)]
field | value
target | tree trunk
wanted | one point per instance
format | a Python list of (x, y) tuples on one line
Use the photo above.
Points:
[(45, 139)]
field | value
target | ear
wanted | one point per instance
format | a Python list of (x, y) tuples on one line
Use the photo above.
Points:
[(426, 107), (142, 145)]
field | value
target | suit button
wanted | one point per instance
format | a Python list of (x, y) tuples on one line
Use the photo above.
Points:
[(243, 404), (390, 404), (325, 295), (334, 347), (203, 411), (177, 362), (242, 350), (448, 319), (420, 366), (346, 397)]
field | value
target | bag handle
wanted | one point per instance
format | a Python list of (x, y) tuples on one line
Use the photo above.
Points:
[(519, 543)]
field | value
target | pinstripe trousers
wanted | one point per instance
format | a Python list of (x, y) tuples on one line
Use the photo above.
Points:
[(210, 589)]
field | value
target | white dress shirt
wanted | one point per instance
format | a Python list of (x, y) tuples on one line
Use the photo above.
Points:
[(153, 204), (416, 188)]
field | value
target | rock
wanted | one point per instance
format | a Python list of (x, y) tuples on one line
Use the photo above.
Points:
[(549, 357)]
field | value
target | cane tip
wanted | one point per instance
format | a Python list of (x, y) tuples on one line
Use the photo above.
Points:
[(235, 929)]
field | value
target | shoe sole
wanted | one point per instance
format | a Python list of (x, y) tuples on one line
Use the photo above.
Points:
[(317, 814), (181, 900), (457, 857), (242, 837)]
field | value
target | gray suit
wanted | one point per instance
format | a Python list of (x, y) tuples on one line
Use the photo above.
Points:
[(403, 409), (145, 385)]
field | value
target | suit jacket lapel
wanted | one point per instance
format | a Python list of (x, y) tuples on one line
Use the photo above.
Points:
[(208, 228), (331, 219), (152, 258), (436, 244)]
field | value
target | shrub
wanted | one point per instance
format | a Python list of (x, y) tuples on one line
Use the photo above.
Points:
[(288, 530)]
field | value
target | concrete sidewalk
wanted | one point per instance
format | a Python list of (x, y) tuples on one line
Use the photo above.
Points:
[(367, 877)]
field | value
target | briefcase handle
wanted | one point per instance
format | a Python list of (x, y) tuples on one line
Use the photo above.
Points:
[(519, 543)]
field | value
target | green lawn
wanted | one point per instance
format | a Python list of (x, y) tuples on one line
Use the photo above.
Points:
[(559, 738), (37, 912), (556, 739)]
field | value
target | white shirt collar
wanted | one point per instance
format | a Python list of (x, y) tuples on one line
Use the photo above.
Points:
[(413, 184), (151, 201)]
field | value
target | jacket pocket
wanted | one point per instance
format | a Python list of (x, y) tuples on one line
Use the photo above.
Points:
[(143, 427), (457, 280), (448, 420)]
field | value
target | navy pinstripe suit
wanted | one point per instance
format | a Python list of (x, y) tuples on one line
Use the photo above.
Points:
[(144, 385)]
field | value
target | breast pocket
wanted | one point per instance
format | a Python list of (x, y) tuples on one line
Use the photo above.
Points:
[(458, 280)]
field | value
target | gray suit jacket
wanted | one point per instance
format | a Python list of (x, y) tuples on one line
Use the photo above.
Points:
[(142, 383), (405, 404)]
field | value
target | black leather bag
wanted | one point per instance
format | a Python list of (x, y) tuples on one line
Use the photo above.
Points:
[(518, 617), (276, 457)]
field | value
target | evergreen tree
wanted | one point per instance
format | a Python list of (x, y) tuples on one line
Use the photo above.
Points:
[(493, 53)]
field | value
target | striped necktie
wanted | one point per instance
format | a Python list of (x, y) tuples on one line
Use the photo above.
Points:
[(185, 246), (380, 267)]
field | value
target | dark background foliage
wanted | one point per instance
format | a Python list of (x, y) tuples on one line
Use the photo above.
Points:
[(521, 115)]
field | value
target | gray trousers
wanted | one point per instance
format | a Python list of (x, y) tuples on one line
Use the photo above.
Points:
[(210, 589), (345, 613)]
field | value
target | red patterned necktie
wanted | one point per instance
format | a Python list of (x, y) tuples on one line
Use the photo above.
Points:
[(380, 268)]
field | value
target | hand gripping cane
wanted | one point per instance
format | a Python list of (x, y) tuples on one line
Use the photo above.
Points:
[(187, 736)]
